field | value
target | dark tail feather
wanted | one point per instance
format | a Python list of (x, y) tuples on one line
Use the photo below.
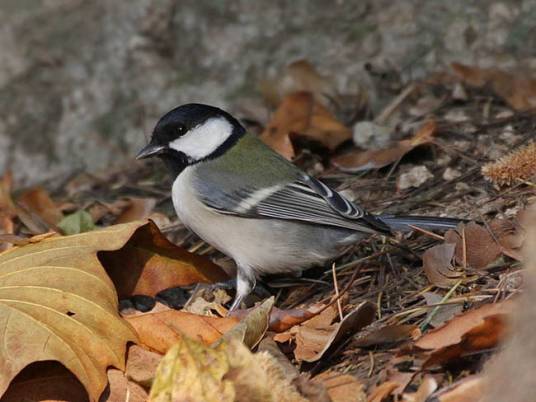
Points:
[(402, 223)]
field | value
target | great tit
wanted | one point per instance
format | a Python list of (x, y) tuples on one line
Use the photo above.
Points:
[(247, 201)]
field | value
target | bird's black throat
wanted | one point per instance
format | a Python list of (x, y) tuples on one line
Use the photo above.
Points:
[(175, 161)]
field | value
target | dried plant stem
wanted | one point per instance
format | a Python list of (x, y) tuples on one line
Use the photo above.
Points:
[(336, 286)]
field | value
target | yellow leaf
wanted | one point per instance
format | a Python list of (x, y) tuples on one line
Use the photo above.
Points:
[(57, 303), (191, 371)]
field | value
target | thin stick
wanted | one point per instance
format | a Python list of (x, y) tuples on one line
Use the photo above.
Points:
[(427, 233), (395, 104), (336, 286), (464, 251)]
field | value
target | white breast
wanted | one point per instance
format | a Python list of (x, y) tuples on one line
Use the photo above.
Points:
[(266, 246)]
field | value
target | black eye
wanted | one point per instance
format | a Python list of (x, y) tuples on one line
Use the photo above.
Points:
[(180, 130)]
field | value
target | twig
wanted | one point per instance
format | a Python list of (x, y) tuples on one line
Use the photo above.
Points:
[(464, 250), (395, 104), (336, 286), (426, 232)]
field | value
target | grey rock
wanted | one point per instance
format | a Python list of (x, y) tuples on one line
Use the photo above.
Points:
[(82, 82)]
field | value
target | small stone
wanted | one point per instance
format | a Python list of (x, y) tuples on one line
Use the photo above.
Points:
[(459, 93), (451, 174), (415, 177), (456, 116), (370, 135), (462, 187), (444, 160)]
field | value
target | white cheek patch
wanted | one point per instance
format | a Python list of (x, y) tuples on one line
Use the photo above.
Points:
[(203, 140)]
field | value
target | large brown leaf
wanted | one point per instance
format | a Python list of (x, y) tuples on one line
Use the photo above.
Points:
[(161, 330), (300, 114), (57, 303), (149, 263)]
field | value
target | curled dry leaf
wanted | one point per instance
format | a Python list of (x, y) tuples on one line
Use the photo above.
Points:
[(160, 330), (342, 387), (383, 391), (47, 315), (141, 365), (137, 209), (469, 389), (481, 249), (122, 389), (45, 381), (388, 334), (283, 320), (426, 388), (299, 75), (437, 265), (357, 161), (518, 89), (316, 336), (254, 325), (478, 329), (226, 372), (300, 114), (150, 263), (484, 336), (510, 236), (37, 201), (7, 208)]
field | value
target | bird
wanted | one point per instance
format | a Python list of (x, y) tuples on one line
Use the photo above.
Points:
[(250, 203)]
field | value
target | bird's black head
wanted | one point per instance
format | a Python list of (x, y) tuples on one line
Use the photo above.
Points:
[(191, 133)]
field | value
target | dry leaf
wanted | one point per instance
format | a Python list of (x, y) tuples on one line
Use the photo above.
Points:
[(57, 303), (427, 387), (161, 330), (481, 249), (477, 329), (383, 391), (437, 265), (342, 387), (283, 320), (317, 335), (7, 208), (388, 334), (38, 201), (227, 372), (452, 332), (254, 325), (510, 236), (149, 263), (300, 114), (516, 88), (482, 337), (137, 209), (123, 390), (141, 365), (45, 381), (299, 75), (469, 389), (357, 161)]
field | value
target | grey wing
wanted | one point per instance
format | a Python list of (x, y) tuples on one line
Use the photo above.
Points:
[(305, 199)]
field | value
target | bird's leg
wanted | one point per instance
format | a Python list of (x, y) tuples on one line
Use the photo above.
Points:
[(245, 282)]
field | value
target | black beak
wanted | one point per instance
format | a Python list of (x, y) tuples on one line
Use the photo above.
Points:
[(150, 150)]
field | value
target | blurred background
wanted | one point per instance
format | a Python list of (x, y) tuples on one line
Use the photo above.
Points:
[(82, 82)]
